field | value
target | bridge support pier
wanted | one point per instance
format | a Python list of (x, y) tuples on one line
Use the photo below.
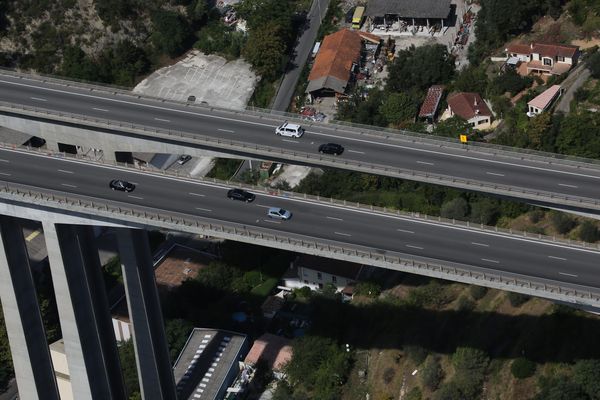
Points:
[(22, 317), (90, 344), (151, 351)]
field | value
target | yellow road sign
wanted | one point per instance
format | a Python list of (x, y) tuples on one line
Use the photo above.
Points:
[(463, 138)]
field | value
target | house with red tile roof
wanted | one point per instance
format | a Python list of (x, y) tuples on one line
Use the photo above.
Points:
[(543, 58), (431, 103), (333, 68), (470, 107)]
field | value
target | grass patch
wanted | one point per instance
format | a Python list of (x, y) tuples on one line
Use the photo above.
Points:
[(264, 93), (265, 288), (224, 168)]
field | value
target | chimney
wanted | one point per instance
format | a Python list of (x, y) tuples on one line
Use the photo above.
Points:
[(475, 101), (531, 45)]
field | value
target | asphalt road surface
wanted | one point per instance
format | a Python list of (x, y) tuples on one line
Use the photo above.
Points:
[(398, 152), (399, 236)]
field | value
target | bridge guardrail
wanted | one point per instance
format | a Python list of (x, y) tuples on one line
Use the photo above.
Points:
[(387, 211), (368, 130), (335, 162), (583, 295)]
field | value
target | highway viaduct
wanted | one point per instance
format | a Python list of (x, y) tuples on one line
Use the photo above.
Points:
[(68, 204)]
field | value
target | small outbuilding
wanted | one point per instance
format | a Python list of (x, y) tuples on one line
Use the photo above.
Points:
[(543, 101)]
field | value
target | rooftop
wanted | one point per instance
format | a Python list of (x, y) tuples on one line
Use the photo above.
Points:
[(544, 49), (333, 267), (179, 264), (468, 105), (275, 350), (333, 64), (409, 8), (204, 362), (432, 101), (543, 100)]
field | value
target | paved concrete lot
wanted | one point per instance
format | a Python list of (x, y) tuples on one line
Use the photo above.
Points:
[(208, 77)]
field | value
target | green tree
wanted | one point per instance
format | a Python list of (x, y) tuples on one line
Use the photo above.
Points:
[(113, 11), (517, 299), (560, 388), (522, 368), (484, 211), (177, 332), (471, 79), (432, 373), (561, 221), (398, 108), (538, 128), (586, 374), (588, 232), (264, 49), (477, 292), (456, 208), (452, 127), (129, 368), (579, 135), (593, 63), (171, 32), (420, 67)]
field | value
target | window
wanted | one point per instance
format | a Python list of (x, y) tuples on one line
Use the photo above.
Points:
[(320, 286), (319, 276), (333, 278), (560, 58), (305, 281), (547, 61)]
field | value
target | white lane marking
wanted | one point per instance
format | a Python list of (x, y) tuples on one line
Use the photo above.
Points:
[(414, 247), (162, 120), (405, 231), (38, 99), (425, 163), (135, 197), (494, 173), (356, 151), (197, 194), (65, 171), (480, 244), (5, 173), (558, 258), (334, 218), (271, 221), (226, 130), (566, 274), (100, 109), (312, 132), (342, 234), (569, 186), (492, 261), (297, 200), (2, 160), (68, 185), (289, 141), (203, 209)]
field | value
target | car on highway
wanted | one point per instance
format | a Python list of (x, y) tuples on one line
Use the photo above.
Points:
[(240, 194), (331, 148), (123, 186), (279, 213), (183, 159), (289, 130)]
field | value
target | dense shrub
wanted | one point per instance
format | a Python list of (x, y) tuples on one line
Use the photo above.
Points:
[(432, 374), (522, 368), (588, 232), (561, 221), (477, 292)]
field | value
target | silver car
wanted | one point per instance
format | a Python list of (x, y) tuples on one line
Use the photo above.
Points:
[(279, 213)]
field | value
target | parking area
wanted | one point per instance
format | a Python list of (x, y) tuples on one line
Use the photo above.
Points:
[(209, 78)]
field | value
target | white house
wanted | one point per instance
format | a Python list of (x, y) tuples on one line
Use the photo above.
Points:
[(543, 101), (544, 59), (315, 272), (471, 107)]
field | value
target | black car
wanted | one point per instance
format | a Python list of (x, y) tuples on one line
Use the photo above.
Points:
[(123, 186), (331, 148), (240, 194)]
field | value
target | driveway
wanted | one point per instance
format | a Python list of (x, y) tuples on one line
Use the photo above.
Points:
[(301, 52), (573, 82)]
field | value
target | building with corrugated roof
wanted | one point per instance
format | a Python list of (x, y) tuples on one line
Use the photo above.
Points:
[(544, 100)]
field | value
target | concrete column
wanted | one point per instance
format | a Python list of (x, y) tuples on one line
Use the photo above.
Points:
[(90, 344), (151, 350), (22, 317)]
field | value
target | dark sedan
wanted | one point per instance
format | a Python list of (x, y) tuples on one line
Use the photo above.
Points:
[(240, 194), (123, 186), (331, 148)]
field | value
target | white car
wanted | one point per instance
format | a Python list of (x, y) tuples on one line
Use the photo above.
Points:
[(279, 213), (289, 130)]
